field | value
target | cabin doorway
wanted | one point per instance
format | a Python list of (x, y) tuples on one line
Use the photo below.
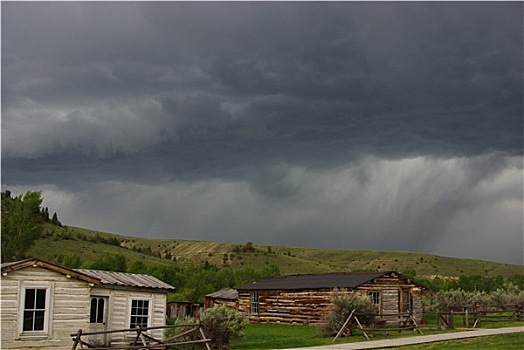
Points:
[(98, 321)]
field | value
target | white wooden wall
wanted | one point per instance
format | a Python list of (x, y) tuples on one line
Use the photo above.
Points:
[(68, 310), (120, 306)]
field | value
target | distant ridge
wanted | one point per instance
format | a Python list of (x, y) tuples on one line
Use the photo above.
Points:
[(88, 244)]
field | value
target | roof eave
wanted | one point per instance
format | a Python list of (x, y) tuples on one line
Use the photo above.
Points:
[(69, 273)]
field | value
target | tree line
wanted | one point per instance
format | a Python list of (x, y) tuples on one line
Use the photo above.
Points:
[(192, 282), (22, 223)]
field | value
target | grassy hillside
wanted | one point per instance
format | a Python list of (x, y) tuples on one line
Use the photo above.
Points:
[(89, 244)]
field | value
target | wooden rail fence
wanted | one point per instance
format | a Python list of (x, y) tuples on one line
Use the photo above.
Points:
[(140, 338), (472, 316), (406, 322)]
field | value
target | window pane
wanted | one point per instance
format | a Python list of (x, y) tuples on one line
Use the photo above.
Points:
[(133, 322), (39, 321), (139, 313), (100, 314), (29, 299), (28, 320), (40, 299), (92, 314)]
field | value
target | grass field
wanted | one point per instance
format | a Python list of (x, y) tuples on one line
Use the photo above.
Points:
[(274, 336)]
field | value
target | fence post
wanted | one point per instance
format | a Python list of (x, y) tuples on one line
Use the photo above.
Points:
[(77, 339)]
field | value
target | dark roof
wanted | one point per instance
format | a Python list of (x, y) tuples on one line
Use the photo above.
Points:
[(225, 294), (321, 281), (122, 279)]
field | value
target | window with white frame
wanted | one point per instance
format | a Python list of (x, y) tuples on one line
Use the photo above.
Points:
[(35, 310), (139, 315), (254, 303)]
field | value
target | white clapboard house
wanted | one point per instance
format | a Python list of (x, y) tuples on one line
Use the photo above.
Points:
[(43, 303)]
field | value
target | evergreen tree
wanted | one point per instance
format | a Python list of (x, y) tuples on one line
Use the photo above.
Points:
[(55, 221), (21, 224)]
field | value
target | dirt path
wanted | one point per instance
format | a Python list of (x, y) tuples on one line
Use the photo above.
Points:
[(388, 343)]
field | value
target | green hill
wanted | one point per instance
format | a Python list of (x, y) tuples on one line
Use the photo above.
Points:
[(89, 244)]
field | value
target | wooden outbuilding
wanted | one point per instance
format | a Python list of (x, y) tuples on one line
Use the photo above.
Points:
[(227, 297), (306, 299), (43, 303)]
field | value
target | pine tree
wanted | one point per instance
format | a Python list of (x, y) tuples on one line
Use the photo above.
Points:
[(21, 224)]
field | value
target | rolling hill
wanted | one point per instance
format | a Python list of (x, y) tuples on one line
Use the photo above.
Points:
[(89, 244)]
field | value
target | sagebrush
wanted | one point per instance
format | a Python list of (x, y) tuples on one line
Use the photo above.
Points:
[(342, 304), (220, 324)]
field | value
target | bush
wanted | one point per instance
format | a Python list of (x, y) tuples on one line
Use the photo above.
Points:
[(171, 332), (456, 299), (342, 305), (222, 325)]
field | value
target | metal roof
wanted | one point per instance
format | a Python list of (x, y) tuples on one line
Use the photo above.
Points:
[(99, 277), (226, 294), (320, 281), (122, 279)]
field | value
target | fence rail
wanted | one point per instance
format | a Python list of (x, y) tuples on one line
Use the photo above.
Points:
[(473, 316), (406, 321), (141, 339)]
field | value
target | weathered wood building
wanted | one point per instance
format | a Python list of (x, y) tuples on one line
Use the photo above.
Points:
[(227, 297), (43, 303), (306, 299)]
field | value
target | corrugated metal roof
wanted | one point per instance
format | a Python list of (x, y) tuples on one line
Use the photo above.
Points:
[(226, 294), (320, 281), (123, 279)]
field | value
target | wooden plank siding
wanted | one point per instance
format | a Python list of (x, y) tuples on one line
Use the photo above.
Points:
[(119, 311), (68, 308)]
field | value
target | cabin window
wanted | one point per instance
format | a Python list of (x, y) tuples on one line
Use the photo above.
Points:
[(375, 300), (254, 303), (35, 310), (406, 300), (97, 310), (139, 313)]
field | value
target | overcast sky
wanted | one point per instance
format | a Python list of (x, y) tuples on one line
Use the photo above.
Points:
[(348, 125)]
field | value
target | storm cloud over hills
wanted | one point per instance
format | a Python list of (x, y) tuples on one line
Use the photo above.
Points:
[(350, 125)]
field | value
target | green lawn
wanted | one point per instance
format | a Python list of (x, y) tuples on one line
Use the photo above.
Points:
[(274, 336)]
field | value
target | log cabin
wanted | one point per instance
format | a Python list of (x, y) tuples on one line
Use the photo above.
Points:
[(306, 299), (227, 297), (43, 303)]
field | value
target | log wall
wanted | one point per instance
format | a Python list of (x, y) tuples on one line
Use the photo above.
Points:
[(311, 306)]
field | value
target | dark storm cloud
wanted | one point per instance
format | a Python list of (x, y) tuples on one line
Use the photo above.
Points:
[(267, 107)]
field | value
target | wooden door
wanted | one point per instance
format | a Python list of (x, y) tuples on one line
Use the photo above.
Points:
[(98, 321)]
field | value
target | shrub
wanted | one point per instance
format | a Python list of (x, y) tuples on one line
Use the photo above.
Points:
[(172, 332), (342, 305), (222, 325), (456, 299)]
